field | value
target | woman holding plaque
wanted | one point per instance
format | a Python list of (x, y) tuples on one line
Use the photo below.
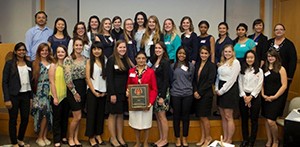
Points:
[(141, 119)]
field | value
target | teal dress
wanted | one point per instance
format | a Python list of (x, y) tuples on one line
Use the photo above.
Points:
[(41, 103)]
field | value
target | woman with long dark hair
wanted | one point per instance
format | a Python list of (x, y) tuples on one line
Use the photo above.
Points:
[(161, 66), (96, 94), (17, 90), (60, 35), (250, 84), (274, 86)]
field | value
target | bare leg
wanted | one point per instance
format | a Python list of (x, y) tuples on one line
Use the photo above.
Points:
[(274, 132), (112, 129), (184, 141), (200, 143), (146, 137), (206, 127), (230, 124), (164, 128), (73, 126), (120, 123), (137, 138), (269, 136), (224, 124), (159, 128)]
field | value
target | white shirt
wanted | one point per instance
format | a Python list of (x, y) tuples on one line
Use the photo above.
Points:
[(138, 38), (24, 78), (250, 82), (98, 82), (229, 74)]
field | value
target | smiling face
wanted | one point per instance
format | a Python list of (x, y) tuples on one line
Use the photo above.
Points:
[(181, 54), (128, 25), (121, 49), (44, 52), (168, 26), (250, 59), (41, 19), (203, 28), (222, 30), (80, 30), (60, 25), (228, 52), (94, 24), (241, 31), (204, 54), (140, 20), (279, 31), (21, 52), (60, 53), (97, 52), (151, 24), (117, 24), (258, 28), (271, 59), (159, 51), (107, 25), (78, 46), (141, 60), (186, 24)]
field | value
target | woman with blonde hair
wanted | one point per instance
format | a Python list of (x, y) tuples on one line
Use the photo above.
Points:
[(227, 91), (151, 36), (171, 38)]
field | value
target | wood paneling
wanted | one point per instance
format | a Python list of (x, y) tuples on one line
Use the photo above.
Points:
[(287, 12), (194, 132), (5, 53)]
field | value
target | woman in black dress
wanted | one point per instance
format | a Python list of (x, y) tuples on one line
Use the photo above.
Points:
[(275, 83), (117, 69), (204, 78)]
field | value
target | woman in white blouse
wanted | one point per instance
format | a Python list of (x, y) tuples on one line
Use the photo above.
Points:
[(250, 84), (227, 90)]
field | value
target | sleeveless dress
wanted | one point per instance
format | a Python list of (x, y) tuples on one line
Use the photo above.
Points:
[(41, 103), (272, 83)]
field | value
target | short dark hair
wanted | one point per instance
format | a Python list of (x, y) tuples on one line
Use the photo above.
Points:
[(258, 21), (40, 12)]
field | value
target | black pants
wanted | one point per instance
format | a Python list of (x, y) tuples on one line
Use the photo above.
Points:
[(181, 112), (60, 120), (253, 113), (95, 114), (22, 102)]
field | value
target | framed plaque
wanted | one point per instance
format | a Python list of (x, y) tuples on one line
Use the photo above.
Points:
[(138, 97)]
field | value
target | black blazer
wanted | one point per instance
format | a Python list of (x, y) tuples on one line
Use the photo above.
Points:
[(206, 80), (261, 47), (116, 79), (162, 73), (11, 83)]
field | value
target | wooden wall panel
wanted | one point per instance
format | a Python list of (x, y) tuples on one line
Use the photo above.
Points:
[(287, 12)]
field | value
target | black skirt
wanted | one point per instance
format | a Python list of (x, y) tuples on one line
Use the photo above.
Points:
[(230, 99), (80, 86)]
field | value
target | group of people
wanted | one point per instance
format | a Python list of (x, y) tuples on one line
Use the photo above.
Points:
[(52, 73)]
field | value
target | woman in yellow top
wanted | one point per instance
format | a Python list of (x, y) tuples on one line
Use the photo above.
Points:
[(58, 92)]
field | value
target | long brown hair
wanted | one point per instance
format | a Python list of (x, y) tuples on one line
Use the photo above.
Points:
[(73, 51), (84, 37), (117, 57), (126, 36), (101, 30), (148, 32), (37, 61), (173, 31), (276, 64)]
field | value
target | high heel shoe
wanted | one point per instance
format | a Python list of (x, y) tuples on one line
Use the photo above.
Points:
[(124, 145), (113, 144), (166, 145), (100, 143)]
